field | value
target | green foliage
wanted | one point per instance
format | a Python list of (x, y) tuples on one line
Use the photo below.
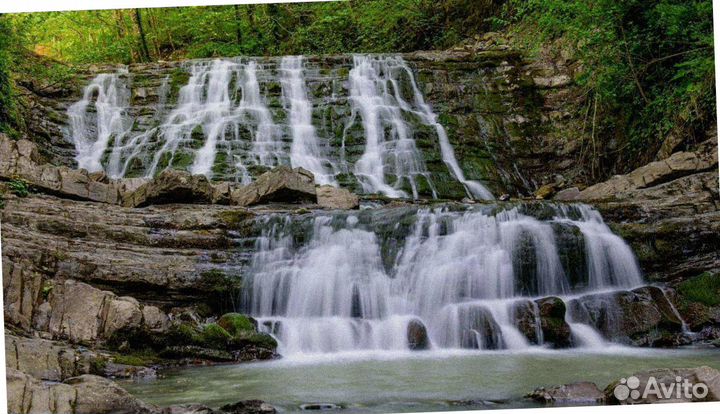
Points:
[(647, 66), (47, 288), (274, 29), (8, 109), (19, 187), (704, 288), (234, 323)]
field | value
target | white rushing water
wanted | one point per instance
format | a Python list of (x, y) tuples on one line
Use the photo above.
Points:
[(458, 274), (228, 118), (305, 150), (389, 146), (99, 118)]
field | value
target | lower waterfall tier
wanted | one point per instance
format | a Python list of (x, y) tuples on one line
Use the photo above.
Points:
[(482, 277)]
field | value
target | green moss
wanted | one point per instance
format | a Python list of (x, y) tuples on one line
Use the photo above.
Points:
[(234, 323), (704, 288), (217, 281), (245, 338), (234, 218), (214, 336), (181, 334), (136, 359)]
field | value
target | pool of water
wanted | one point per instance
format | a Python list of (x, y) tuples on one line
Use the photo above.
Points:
[(402, 382)]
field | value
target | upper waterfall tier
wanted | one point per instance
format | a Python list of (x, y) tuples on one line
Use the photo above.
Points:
[(364, 124), (359, 281)]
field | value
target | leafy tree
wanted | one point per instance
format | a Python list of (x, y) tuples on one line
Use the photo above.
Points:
[(648, 68)]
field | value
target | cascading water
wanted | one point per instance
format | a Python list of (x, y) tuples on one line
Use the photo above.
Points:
[(305, 150), (389, 147), (474, 188), (357, 282), (232, 115), (92, 130)]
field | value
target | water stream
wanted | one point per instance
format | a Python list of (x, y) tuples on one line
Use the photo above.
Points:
[(410, 382)]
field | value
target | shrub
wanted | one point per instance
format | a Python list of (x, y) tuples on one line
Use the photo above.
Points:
[(19, 187)]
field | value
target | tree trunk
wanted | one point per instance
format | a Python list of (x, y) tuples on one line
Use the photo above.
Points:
[(238, 21), (144, 51)]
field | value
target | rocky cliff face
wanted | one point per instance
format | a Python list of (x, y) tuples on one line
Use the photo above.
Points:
[(139, 266), (507, 118)]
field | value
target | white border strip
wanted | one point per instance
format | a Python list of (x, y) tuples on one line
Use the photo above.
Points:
[(17, 6)]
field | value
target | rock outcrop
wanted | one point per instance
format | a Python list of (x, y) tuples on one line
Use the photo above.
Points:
[(21, 160), (555, 329), (669, 212), (577, 393), (641, 317), (85, 394), (168, 187), (282, 184), (335, 198), (49, 360), (98, 316), (678, 165)]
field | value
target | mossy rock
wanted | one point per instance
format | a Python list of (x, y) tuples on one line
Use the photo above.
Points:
[(234, 323), (214, 336), (252, 338), (180, 334)]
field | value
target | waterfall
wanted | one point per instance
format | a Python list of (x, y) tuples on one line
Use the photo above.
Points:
[(611, 262), (305, 150), (234, 118), (474, 188), (110, 98), (389, 147), (343, 286)]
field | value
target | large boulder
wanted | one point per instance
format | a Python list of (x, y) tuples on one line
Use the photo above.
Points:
[(576, 393), (281, 184), (98, 316), (86, 394), (678, 165), (417, 336), (98, 395), (526, 315), (647, 387), (479, 328), (642, 316), (555, 329), (48, 360), (171, 186), (335, 198)]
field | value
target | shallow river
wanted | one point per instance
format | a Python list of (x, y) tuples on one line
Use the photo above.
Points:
[(400, 382)]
